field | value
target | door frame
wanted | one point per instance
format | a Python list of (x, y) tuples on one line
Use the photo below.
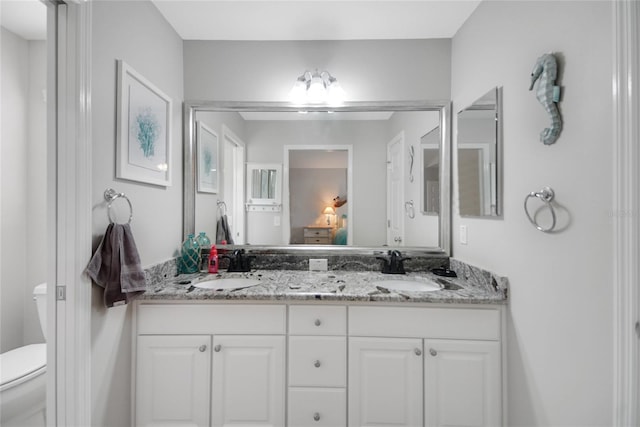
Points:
[(238, 184), (69, 213), (626, 213)]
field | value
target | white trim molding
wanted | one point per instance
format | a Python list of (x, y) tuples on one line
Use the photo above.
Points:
[(69, 188), (626, 213)]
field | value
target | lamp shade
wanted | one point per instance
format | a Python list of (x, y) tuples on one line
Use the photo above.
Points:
[(329, 210)]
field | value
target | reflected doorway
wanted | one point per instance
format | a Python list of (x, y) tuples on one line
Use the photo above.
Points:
[(317, 191), (233, 152)]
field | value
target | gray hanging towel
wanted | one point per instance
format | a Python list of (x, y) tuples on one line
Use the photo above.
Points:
[(222, 231), (116, 267)]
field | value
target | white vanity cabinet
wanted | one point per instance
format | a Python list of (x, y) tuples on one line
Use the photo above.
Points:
[(210, 365), (419, 366), (300, 363)]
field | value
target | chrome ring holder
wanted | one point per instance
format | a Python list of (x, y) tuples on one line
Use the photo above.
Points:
[(546, 195), (110, 195)]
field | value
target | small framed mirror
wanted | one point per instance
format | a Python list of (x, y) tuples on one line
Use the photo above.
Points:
[(264, 187), (480, 158)]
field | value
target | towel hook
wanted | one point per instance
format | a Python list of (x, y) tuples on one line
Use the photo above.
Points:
[(546, 195), (110, 195), (222, 207)]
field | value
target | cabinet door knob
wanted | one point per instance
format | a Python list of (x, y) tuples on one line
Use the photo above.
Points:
[(317, 363), (316, 416), (433, 352), (217, 348), (418, 352), (318, 322), (202, 348)]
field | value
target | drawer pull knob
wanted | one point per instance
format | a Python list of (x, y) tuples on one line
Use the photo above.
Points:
[(217, 348), (317, 363), (418, 352), (316, 416), (433, 352), (318, 322), (202, 348)]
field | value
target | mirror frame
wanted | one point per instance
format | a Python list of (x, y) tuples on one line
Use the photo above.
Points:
[(190, 108)]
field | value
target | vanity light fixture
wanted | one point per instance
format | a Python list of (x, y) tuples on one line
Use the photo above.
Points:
[(317, 88), (328, 211)]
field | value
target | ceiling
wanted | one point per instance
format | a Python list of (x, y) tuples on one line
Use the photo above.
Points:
[(280, 20), (26, 18), (315, 20)]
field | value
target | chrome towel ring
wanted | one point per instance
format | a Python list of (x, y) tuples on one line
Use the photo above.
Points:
[(110, 196), (546, 195)]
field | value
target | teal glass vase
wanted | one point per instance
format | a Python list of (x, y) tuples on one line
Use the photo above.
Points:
[(190, 255), (205, 249)]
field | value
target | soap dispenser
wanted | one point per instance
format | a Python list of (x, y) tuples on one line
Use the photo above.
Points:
[(213, 259)]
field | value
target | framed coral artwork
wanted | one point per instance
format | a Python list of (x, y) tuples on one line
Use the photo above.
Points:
[(143, 149), (207, 159)]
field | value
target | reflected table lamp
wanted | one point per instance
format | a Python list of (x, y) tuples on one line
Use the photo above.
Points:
[(328, 211)]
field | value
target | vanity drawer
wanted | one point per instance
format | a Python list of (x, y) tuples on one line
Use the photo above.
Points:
[(317, 232), (318, 361), (414, 322), (317, 407), (317, 320), (317, 240), (210, 319)]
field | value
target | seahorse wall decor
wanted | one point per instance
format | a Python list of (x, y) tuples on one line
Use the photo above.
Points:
[(546, 71)]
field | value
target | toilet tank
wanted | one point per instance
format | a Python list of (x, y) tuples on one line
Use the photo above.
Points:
[(40, 297)]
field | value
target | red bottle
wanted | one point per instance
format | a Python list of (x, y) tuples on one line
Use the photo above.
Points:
[(213, 259)]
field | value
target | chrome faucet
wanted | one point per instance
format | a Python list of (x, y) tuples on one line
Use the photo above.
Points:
[(393, 264), (238, 261)]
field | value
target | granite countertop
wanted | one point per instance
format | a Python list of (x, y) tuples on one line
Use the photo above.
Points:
[(472, 286)]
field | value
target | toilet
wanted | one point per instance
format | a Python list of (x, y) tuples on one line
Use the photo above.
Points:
[(23, 382)]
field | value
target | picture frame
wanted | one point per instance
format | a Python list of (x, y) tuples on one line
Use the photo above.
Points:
[(143, 148), (207, 158)]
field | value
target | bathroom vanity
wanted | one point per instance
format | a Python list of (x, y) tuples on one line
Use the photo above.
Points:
[(321, 349)]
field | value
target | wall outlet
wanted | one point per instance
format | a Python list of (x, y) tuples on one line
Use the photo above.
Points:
[(276, 221), (317, 264)]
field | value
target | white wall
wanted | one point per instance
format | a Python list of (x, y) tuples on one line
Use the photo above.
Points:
[(371, 70), (15, 90), (560, 309), (23, 202), (136, 33)]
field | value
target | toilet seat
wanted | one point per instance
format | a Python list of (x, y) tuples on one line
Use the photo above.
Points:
[(22, 364)]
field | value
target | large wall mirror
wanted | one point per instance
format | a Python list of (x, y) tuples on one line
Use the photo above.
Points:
[(480, 158), (333, 171)]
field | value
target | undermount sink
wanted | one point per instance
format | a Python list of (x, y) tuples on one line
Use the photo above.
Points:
[(408, 285), (227, 283)]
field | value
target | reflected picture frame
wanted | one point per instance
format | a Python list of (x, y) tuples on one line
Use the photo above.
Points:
[(207, 159), (143, 122)]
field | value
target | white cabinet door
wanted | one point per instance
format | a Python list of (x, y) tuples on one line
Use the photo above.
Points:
[(173, 380), (385, 382), (248, 381), (462, 383)]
